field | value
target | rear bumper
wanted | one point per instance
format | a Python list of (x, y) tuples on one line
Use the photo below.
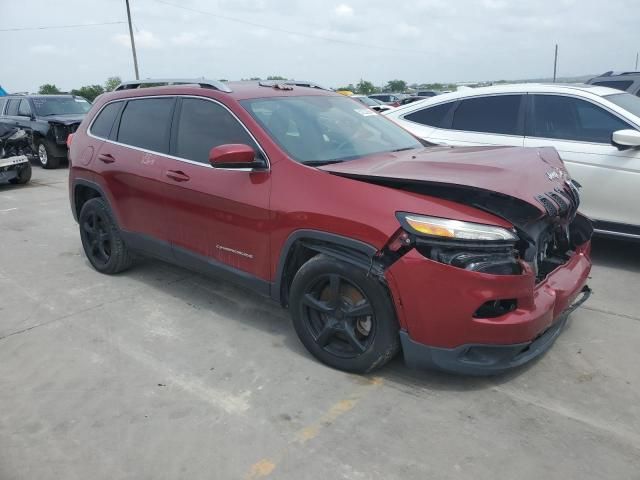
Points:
[(485, 359)]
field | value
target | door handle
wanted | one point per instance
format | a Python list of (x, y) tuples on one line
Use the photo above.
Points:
[(177, 175), (106, 158)]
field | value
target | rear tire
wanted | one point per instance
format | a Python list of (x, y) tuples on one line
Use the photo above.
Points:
[(343, 316), (24, 175), (101, 239), (45, 154)]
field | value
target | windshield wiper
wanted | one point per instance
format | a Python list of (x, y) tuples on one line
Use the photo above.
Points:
[(403, 149), (318, 163)]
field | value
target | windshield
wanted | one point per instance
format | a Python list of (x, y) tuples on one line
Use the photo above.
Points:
[(323, 129), (626, 101), (60, 106), (368, 101)]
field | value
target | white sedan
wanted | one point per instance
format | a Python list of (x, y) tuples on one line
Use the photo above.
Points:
[(596, 131)]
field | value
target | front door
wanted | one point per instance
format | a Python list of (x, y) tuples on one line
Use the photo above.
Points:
[(581, 133), (217, 217)]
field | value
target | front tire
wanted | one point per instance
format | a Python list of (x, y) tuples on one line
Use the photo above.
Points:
[(45, 153), (101, 239), (343, 316)]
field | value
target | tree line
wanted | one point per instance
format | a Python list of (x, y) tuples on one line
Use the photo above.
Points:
[(363, 87)]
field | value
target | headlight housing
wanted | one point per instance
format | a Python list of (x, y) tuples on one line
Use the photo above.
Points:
[(447, 229), (467, 245)]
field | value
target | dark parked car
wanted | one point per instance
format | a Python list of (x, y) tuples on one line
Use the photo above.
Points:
[(426, 93), (49, 119), (374, 242), (625, 81), (392, 99)]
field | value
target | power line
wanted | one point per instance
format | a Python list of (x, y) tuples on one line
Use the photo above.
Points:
[(290, 32), (52, 27)]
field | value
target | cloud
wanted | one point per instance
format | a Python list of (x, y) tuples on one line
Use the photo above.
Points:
[(344, 10), (406, 30), (144, 39)]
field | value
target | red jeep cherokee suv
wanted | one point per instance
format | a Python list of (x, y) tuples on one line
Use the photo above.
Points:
[(466, 259)]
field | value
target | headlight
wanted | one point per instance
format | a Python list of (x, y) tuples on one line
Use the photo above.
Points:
[(444, 228)]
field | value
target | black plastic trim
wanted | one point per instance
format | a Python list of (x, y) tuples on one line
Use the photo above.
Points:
[(90, 184), (327, 240)]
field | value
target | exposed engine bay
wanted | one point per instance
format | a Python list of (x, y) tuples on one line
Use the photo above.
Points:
[(15, 151)]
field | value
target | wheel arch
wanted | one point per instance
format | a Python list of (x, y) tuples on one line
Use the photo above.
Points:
[(302, 245), (84, 190)]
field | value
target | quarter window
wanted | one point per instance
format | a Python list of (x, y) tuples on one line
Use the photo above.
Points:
[(104, 121), (202, 125), (568, 118), (145, 123), (433, 116), (496, 114)]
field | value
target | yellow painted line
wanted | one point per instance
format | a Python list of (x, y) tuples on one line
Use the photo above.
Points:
[(265, 466)]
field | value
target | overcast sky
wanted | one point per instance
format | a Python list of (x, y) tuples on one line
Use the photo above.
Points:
[(417, 40)]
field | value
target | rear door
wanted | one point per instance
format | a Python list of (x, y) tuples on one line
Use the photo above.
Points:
[(581, 131), (218, 217), (129, 163)]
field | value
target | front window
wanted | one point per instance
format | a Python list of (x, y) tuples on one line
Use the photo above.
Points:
[(627, 101), (323, 129), (46, 106)]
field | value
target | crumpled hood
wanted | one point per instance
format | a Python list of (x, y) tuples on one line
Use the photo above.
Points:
[(521, 173), (64, 119)]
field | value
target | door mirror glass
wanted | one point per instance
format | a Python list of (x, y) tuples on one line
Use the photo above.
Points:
[(626, 138), (234, 155)]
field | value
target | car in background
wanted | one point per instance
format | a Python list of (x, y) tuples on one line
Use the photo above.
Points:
[(426, 93), (625, 81), (596, 131), (372, 103), (373, 242), (49, 119), (411, 99), (392, 99)]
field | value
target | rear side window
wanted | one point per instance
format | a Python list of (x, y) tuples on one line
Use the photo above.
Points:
[(145, 123), (103, 123), (202, 125), (12, 106), (568, 118), (497, 114), (24, 109), (618, 84), (433, 116)]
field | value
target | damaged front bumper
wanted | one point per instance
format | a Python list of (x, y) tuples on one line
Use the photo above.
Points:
[(10, 167)]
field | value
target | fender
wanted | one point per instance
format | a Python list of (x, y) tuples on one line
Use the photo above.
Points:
[(94, 186), (343, 248)]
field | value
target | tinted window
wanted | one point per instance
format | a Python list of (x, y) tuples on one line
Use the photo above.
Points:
[(203, 125), (24, 108), (618, 84), (145, 124), (383, 98), (571, 118), (498, 114), (12, 106), (433, 116), (104, 121)]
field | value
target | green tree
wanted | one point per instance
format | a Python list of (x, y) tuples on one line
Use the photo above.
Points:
[(276, 77), (48, 89), (365, 87), (111, 83), (396, 86), (90, 92)]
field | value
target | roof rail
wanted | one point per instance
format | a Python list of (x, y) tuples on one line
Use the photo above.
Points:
[(295, 83), (202, 82)]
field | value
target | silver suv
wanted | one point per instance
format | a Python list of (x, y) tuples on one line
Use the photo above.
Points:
[(625, 81)]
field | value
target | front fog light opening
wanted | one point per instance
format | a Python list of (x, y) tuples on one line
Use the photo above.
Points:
[(496, 308)]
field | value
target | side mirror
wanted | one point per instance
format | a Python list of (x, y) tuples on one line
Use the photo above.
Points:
[(626, 138), (234, 155)]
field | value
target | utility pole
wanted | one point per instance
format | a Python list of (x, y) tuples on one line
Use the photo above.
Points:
[(555, 64), (637, 54), (133, 42)]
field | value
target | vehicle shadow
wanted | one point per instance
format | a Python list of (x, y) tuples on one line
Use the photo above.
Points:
[(616, 253), (248, 310)]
